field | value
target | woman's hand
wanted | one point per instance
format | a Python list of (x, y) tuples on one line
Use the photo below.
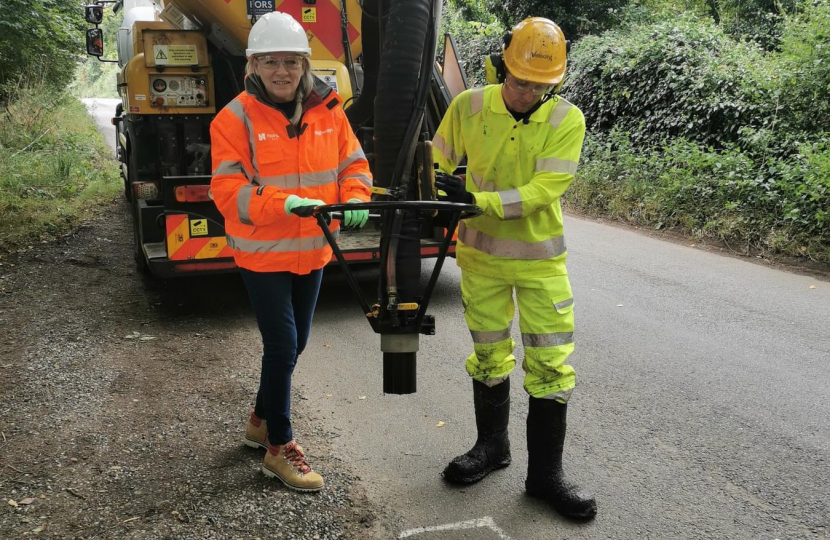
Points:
[(355, 218), (301, 206)]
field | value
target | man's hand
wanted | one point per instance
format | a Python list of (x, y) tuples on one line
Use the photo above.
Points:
[(454, 187)]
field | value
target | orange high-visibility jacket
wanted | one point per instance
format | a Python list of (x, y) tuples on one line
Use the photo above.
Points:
[(260, 158)]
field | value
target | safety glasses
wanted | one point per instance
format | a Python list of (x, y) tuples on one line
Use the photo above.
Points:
[(523, 87), (272, 63)]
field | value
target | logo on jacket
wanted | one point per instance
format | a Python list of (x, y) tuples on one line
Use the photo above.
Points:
[(540, 55), (268, 136), (319, 132)]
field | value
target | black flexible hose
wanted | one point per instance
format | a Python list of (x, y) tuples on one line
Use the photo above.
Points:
[(363, 109)]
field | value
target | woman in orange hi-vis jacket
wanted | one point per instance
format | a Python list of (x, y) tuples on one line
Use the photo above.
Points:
[(283, 146)]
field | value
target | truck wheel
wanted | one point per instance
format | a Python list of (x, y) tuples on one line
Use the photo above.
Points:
[(141, 264), (132, 172), (138, 253)]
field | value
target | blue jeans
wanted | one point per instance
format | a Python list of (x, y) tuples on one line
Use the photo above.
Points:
[(284, 305)]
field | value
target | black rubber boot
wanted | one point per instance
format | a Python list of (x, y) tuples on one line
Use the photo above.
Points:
[(492, 448), (545, 478)]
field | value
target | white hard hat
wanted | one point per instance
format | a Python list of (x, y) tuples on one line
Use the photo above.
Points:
[(277, 32)]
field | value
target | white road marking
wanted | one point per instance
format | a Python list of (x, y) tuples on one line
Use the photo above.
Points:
[(485, 522)]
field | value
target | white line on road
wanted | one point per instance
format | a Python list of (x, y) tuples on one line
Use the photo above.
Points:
[(485, 522)]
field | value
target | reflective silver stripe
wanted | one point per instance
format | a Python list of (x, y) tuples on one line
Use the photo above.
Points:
[(547, 340), (365, 180), (294, 180), (238, 110), (243, 203), (476, 101), (232, 167), (440, 144), (490, 337), (563, 304), (283, 181), (512, 249), (553, 164), (490, 383), (354, 156), (511, 203), (559, 112), (562, 395), (478, 180), (279, 246)]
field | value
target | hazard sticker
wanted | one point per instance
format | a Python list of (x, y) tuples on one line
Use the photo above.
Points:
[(309, 14), (198, 227), (175, 55)]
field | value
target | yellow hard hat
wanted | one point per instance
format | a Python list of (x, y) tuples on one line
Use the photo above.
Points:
[(537, 51)]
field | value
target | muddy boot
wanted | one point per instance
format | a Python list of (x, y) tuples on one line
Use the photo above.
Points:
[(492, 448), (545, 478), (287, 462), (255, 432)]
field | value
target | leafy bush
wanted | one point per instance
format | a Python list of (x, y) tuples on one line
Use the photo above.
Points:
[(804, 69), (678, 78), (760, 21), (39, 41), (54, 166), (575, 17), (780, 206), (477, 33)]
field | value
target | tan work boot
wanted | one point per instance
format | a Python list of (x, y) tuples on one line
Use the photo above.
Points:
[(256, 432), (287, 462)]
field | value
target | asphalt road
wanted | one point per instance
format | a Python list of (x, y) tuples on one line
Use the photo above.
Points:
[(701, 408), (103, 109)]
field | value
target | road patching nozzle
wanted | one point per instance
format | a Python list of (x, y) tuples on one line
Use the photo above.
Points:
[(399, 324)]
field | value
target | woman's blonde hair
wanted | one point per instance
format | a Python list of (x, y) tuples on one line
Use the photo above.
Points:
[(303, 89)]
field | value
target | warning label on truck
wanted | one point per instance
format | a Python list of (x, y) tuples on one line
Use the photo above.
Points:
[(175, 55), (309, 14), (198, 227)]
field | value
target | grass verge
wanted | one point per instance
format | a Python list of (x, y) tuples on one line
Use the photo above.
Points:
[(769, 207), (55, 168)]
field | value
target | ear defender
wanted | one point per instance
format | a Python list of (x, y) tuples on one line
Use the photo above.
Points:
[(494, 70)]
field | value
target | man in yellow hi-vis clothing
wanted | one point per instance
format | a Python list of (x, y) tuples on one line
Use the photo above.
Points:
[(522, 144)]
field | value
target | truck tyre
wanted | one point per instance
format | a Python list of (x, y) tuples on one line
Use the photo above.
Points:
[(132, 173), (141, 265), (132, 170)]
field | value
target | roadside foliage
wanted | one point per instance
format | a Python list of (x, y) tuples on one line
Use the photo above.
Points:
[(54, 164), (692, 129), (55, 167)]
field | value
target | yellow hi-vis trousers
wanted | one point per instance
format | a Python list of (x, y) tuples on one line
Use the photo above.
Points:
[(545, 319)]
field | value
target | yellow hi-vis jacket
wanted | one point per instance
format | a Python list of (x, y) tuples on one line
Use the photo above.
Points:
[(516, 172)]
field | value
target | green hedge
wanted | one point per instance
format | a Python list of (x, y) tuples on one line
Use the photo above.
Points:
[(679, 78), (690, 129), (777, 206), (55, 167)]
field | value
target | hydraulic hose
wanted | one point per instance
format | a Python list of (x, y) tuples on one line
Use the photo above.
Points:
[(402, 87), (363, 108)]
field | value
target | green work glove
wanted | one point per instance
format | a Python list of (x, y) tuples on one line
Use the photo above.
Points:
[(301, 206), (355, 218)]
